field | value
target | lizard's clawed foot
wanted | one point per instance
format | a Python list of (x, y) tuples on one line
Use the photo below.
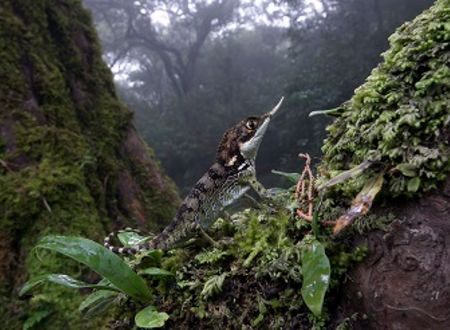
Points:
[(209, 238)]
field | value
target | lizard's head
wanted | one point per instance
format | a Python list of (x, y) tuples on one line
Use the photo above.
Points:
[(241, 142)]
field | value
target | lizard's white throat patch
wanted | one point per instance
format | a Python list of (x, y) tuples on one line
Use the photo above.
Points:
[(250, 148)]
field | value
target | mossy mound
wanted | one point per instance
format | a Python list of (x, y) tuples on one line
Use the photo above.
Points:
[(251, 278), (400, 117), (70, 159)]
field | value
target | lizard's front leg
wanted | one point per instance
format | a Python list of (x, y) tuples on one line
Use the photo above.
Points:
[(259, 188), (208, 238)]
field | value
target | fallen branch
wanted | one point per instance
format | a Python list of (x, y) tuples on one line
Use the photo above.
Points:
[(361, 204)]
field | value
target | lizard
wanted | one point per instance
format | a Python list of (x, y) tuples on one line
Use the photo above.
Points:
[(231, 176)]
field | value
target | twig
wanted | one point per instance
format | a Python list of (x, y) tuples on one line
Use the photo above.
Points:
[(300, 192), (300, 189), (49, 209), (5, 165)]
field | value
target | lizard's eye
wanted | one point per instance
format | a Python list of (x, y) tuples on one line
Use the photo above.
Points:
[(251, 124)]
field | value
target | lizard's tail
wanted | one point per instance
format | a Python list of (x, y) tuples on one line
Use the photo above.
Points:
[(127, 250)]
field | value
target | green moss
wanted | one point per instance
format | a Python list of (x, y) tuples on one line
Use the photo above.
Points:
[(252, 278), (64, 130), (258, 266), (400, 116)]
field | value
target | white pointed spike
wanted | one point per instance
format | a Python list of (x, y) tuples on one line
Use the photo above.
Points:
[(275, 109)]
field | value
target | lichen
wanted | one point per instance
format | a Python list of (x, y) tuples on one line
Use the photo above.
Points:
[(400, 117)]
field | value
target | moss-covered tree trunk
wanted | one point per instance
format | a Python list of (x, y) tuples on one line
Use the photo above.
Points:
[(70, 159)]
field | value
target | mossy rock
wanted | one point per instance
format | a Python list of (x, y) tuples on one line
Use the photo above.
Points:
[(400, 117)]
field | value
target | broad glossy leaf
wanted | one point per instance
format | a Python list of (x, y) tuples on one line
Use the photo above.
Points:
[(97, 302), (61, 279), (155, 271), (292, 177), (149, 317), (100, 260), (316, 275), (131, 238)]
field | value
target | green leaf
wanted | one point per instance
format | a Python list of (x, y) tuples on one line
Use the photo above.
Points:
[(97, 302), (276, 191), (407, 169), (346, 175), (61, 279), (212, 256), (35, 318), (213, 285), (316, 275), (155, 271), (100, 260), (131, 238), (315, 224), (292, 177), (413, 184), (149, 317), (335, 112)]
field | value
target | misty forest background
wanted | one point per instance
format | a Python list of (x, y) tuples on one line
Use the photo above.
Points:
[(191, 69)]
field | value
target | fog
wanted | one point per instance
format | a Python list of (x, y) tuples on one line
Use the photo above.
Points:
[(191, 69)]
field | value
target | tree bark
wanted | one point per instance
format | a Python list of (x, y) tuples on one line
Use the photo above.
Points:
[(71, 161)]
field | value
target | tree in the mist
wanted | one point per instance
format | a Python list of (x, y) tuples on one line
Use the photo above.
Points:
[(70, 159), (241, 75), (235, 72), (174, 44)]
